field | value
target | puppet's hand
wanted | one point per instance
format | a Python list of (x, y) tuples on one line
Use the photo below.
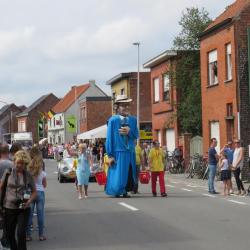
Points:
[(124, 130)]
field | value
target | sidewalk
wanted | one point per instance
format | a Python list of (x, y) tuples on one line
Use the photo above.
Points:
[(181, 178)]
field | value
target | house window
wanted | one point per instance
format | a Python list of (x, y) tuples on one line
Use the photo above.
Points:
[(229, 109), (21, 126), (54, 121), (83, 113), (212, 68), (123, 91), (156, 90), (113, 95), (166, 87), (228, 62)]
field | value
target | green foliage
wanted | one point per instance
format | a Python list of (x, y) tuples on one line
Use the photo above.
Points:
[(193, 23), (187, 70)]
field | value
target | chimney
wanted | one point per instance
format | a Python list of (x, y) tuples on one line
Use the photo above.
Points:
[(72, 87)]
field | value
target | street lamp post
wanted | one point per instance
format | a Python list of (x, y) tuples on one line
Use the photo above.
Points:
[(138, 85)]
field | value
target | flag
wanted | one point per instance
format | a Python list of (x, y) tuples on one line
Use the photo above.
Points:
[(50, 114)]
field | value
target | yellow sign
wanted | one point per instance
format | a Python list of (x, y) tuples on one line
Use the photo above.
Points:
[(146, 135)]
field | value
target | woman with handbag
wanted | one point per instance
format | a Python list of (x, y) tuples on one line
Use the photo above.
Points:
[(20, 193)]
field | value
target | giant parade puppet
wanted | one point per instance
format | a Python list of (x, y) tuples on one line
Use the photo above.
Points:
[(122, 134)]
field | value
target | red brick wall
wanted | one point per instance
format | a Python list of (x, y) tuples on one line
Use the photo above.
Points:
[(145, 96), (163, 112), (97, 114), (241, 25), (215, 98), (34, 115)]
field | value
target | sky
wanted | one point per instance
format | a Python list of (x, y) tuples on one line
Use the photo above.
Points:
[(50, 45)]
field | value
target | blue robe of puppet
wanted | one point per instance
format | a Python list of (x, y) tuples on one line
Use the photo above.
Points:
[(122, 149)]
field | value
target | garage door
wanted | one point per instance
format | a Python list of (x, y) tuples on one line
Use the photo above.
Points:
[(170, 139), (215, 133)]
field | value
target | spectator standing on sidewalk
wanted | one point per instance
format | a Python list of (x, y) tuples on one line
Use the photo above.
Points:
[(229, 152), (225, 173), (237, 166), (156, 164), (5, 163), (213, 158)]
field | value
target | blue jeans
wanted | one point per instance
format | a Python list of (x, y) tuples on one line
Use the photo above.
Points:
[(211, 177), (39, 203)]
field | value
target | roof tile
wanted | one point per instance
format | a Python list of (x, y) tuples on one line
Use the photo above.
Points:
[(69, 98), (230, 12)]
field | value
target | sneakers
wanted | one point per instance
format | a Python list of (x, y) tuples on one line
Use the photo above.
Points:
[(164, 195), (80, 197), (154, 194)]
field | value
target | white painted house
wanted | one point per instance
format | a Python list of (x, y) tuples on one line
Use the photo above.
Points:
[(64, 126)]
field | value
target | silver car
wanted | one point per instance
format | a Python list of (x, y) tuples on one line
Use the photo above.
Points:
[(66, 170)]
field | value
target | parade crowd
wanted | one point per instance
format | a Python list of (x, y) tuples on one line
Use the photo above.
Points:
[(121, 158)]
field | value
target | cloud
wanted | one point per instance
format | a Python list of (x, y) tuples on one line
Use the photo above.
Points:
[(13, 41), (110, 38), (44, 48)]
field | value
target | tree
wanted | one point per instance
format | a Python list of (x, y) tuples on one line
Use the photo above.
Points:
[(187, 70), (193, 23)]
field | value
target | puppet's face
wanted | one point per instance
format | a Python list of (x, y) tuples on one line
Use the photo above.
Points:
[(124, 109)]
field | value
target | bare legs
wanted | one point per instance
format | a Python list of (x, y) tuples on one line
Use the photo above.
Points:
[(80, 191)]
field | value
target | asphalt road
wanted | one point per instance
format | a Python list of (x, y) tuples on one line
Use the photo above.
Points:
[(188, 219)]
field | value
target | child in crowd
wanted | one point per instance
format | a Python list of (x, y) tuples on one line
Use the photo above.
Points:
[(225, 173)]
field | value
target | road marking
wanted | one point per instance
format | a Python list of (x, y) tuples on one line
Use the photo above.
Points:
[(185, 189), (192, 186), (175, 182), (209, 195), (238, 202), (55, 172), (171, 186), (128, 206)]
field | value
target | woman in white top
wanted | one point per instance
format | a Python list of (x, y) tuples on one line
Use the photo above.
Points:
[(36, 170), (237, 166), (225, 173)]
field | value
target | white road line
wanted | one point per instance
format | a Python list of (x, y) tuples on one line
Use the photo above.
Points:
[(192, 186), (238, 202), (171, 186), (175, 182), (209, 195), (185, 189), (128, 206), (55, 172)]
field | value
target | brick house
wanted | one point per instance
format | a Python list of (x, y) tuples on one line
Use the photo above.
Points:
[(126, 84), (94, 112), (8, 121), (66, 123), (28, 119), (225, 47), (165, 98)]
